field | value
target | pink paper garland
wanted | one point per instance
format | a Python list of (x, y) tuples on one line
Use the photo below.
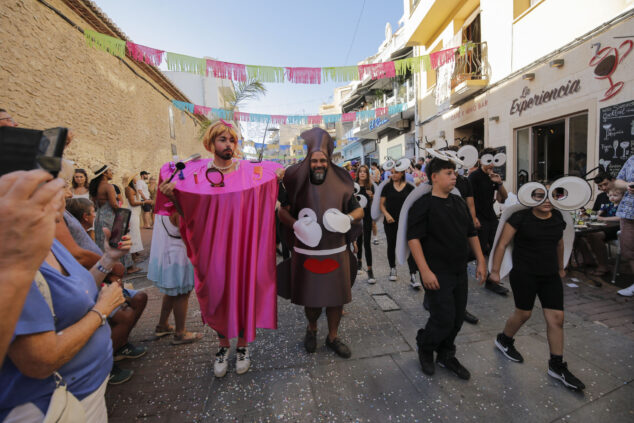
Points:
[(201, 110), (381, 111), (279, 119), (442, 57), (314, 120), (378, 70), (349, 117), (304, 75), (226, 70), (145, 54), (244, 117)]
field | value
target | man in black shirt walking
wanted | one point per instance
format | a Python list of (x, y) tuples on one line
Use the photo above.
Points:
[(485, 184), (439, 232)]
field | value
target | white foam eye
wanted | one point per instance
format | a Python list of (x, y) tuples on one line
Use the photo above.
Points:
[(389, 165), (402, 165), (363, 200), (436, 154), (532, 194), (469, 155), (306, 212), (357, 188), (486, 159), (569, 193), (499, 159)]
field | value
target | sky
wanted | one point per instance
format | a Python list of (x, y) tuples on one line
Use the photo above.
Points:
[(274, 33)]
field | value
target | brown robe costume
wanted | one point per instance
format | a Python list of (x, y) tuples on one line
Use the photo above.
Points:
[(319, 280)]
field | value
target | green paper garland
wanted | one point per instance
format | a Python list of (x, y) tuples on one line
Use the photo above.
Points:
[(341, 73), (265, 73), (182, 63), (111, 45)]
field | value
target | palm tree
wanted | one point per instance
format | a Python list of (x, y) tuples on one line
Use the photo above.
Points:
[(242, 92)]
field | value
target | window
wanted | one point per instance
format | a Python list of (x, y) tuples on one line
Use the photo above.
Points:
[(395, 152), (552, 149)]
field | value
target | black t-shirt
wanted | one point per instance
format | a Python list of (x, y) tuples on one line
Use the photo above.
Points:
[(464, 186), (483, 191), (600, 200), (443, 226), (394, 199), (367, 215), (535, 242)]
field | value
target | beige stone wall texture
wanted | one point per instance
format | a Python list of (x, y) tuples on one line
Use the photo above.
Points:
[(49, 77)]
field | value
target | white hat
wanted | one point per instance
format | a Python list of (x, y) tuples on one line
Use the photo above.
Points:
[(99, 169)]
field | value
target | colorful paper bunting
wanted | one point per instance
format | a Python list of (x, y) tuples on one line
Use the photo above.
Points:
[(149, 55), (304, 75), (182, 63), (104, 42)]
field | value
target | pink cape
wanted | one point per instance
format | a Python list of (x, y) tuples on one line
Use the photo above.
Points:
[(230, 237)]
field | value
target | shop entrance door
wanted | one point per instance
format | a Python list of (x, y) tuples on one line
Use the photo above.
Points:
[(550, 146)]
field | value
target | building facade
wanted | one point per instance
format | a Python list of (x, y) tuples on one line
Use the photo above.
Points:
[(548, 82)]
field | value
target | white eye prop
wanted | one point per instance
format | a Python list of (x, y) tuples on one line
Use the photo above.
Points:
[(402, 165), (532, 194), (389, 165), (569, 193), (306, 229), (486, 159), (363, 200), (357, 188), (499, 159), (436, 154), (469, 155), (453, 157), (306, 212)]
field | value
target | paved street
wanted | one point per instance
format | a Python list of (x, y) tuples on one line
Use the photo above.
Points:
[(382, 381)]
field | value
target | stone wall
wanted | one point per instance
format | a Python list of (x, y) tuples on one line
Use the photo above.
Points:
[(50, 77)]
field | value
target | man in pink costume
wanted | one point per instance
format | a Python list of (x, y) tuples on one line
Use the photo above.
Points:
[(325, 218), (228, 225)]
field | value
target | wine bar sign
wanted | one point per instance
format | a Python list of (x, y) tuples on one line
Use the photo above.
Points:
[(616, 135)]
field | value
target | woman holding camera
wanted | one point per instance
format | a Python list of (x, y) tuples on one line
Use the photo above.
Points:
[(62, 333)]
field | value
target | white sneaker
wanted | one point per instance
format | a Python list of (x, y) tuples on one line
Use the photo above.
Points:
[(371, 279), (360, 271), (375, 241), (627, 292), (243, 360), (393, 275), (221, 362), (414, 282)]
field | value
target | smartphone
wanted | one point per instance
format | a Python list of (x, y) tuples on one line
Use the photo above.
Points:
[(120, 226), (27, 149)]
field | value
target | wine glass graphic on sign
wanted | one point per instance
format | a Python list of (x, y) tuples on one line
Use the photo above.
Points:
[(606, 60), (624, 148)]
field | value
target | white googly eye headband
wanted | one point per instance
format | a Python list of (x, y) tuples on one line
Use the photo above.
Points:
[(400, 165), (567, 193), (498, 160)]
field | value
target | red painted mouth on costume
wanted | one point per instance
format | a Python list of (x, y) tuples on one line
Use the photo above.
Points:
[(321, 266)]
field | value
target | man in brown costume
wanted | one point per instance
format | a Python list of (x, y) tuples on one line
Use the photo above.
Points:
[(325, 218)]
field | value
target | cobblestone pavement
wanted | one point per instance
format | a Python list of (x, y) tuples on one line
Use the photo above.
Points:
[(382, 382)]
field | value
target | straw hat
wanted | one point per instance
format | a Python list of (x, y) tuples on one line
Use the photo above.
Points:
[(127, 178), (99, 169)]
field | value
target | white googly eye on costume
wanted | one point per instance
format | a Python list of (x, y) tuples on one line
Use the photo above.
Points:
[(532, 194), (486, 159), (389, 165), (499, 159), (569, 193), (436, 154), (363, 200), (306, 212), (357, 188), (402, 165), (469, 155), (453, 157)]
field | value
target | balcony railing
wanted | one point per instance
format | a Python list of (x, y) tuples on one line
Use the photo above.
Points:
[(471, 65)]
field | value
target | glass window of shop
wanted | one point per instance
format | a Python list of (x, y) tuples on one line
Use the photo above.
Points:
[(552, 149), (395, 152)]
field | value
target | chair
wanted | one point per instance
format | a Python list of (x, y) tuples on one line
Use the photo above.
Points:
[(617, 261)]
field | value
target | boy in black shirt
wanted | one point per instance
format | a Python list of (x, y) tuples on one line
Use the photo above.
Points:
[(485, 184), (538, 257), (439, 233)]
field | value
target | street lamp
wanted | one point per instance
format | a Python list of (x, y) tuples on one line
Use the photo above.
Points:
[(264, 141)]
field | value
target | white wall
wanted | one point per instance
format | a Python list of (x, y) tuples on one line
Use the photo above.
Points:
[(554, 23), (496, 20)]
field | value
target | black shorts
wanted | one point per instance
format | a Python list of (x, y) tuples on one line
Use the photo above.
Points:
[(526, 287), (146, 207), (486, 234)]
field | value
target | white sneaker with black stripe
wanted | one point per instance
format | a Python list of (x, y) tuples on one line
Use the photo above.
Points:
[(393, 275), (221, 362), (243, 360)]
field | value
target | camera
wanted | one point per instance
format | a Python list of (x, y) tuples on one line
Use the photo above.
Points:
[(27, 149)]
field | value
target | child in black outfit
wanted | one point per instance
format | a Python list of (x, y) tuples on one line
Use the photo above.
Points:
[(439, 232), (538, 250)]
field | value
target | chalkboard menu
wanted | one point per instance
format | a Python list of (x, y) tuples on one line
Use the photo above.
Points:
[(616, 135), (501, 170)]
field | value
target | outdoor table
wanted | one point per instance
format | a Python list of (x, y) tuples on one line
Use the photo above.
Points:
[(596, 228)]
